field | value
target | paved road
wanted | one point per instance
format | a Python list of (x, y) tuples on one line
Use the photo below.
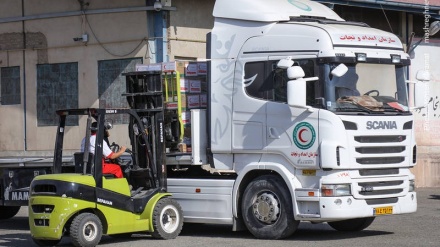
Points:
[(418, 229)]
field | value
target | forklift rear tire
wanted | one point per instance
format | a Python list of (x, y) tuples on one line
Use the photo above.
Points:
[(7, 212), (42, 242), (167, 219), (86, 230)]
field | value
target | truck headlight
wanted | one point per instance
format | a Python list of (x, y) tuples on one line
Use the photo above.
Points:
[(335, 190), (412, 185)]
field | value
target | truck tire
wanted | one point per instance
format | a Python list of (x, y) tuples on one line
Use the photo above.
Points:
[(267, 208), (7, 212), (352, 225), (86, 230), (167, 219), (42, 242)]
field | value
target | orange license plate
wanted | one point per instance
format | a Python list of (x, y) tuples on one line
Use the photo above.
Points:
[(383, 210), (309, 172)]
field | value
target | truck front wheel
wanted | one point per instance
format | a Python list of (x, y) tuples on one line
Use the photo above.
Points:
[(167, 219), (7, 212), (86, 230), (267, 208), (352, 225)]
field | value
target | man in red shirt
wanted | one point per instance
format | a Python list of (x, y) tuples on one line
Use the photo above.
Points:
[(107, 153)]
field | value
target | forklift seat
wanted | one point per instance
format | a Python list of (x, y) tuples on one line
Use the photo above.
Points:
[(79, 163), (140, 178)]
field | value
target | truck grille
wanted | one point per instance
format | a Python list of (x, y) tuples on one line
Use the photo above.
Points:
[(379, 172), (380, 160), (380, 139), (382, 201), (380, 150)]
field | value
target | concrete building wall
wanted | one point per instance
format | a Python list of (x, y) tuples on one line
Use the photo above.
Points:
[(428, 118), (49, 41), (188, 28)]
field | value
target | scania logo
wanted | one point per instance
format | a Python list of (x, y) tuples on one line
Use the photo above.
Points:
[(381, 125), (367, 189)]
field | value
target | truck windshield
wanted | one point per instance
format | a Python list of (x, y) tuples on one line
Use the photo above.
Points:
[(370, 88)]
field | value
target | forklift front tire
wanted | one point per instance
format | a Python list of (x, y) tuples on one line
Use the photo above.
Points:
[(167, 219)]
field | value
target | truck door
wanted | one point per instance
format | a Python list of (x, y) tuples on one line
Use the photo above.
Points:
[(292, 132), (249, 114)]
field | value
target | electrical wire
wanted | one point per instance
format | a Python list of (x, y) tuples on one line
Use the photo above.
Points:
[(105, 48), (389, 24)]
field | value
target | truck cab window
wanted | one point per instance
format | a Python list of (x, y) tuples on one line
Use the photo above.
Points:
[(385, 83), (263, 80)]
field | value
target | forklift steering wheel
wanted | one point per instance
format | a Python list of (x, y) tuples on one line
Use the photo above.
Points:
[(372, 91)]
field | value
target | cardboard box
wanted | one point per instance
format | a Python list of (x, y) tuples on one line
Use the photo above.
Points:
[(179, 66), (194, 86), (191, 69), (190, 86), (203, 100), (171, 105), (202, 68), (184, 85), (149, 67), (186, 117), (190, 101)]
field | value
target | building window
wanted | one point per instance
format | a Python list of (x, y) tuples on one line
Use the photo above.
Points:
[(111, 84), (10, 86), (57, 88)]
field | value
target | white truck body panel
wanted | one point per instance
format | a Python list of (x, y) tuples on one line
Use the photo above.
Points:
[(204, 200)]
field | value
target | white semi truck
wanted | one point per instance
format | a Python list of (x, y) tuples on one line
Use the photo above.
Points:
[(307, 120)]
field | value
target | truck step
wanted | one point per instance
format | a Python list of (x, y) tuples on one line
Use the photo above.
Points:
[(309, 216)]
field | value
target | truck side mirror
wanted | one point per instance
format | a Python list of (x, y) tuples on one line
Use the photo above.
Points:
[(285, 63), (423, 75), (297, 87), (340, 70)]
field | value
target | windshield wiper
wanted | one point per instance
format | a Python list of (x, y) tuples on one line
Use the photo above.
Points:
[(353, 109)]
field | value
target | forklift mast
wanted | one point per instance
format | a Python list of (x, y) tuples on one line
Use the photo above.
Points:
[(144, 94), (146, 139)]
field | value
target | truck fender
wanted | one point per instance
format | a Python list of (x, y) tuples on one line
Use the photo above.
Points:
[(288, 177)]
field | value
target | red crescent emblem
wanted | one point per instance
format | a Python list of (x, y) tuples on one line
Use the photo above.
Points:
[(300, 135)]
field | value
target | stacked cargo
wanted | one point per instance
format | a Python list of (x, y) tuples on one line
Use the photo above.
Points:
[(185, 88)]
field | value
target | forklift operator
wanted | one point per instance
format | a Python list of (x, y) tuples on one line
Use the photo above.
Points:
[(107, 153)]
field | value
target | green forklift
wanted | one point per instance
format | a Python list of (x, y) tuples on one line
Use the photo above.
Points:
[(84, 203)]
